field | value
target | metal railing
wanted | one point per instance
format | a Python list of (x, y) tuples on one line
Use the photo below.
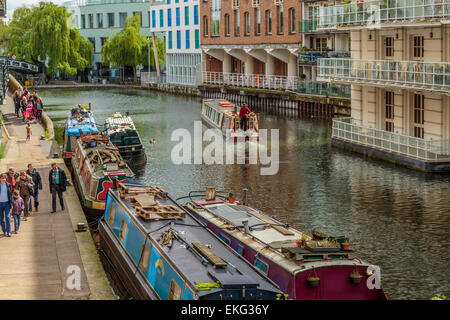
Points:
[(152, 77), (168, 78), (433, 75), (324, 89), (19, 65), (80, 3), (427, 150), (382, 11), (307, 26), (311, 57)]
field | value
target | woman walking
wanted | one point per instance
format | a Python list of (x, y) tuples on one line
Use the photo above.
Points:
[(17, 209), (25, 186)]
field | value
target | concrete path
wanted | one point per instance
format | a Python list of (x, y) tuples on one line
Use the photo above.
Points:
[(47, 259)]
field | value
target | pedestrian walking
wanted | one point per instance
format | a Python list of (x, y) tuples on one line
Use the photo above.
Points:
[(23, 107), (17, 209), (37, 182), (5, 205), (28, 131), (12, 177), (25, 188), (58, 181)]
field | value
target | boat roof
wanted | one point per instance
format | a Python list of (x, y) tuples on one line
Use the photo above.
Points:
[(267, 235), (118, 121), (237, 272), (73, 125), (215, 103)]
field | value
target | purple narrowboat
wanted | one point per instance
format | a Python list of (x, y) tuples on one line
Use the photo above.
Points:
[(300, 264)]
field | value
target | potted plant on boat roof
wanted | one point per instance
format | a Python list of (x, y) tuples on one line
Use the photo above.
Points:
[(317, 235), (355, 276), (313, 281), (345, 245)]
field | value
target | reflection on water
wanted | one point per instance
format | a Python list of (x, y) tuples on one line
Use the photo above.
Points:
[(396, 218)]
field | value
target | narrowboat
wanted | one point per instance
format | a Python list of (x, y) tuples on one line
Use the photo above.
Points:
[(224, 115), (79, 121), (124, 135), (158, 251), (95, 164), (305, 266)]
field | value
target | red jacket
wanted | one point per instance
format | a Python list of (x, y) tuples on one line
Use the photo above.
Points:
[(245, 111)]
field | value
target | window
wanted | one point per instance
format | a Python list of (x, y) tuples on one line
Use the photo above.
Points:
[(99, 20), (261, 265), (145, 255), (161, 18), (170, 40), (222, 236), (92, 40), (197, 39), (247, 23), (321, 44), (280, 19), (188, 39), (292, 28), (389, 110), (227, 25), (91, 21), (237, 23), (196, 14), (240, 250), (83, 22), (123, 230), (122, 18), (110, 20), (418, 48), (215, 17), (138, 13), (268, 22), (389, 46), (169, 17), (112, 215), (186, 16), (257, 21), (178, 39), (153, 19), (419, 109), (205, 26), (174, 291), (177, 16)]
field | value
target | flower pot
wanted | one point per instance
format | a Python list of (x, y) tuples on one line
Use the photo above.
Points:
[(345, 246), (313, 282), (355, 278)]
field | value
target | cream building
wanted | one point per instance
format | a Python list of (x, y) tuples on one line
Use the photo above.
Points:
[(399, 73)]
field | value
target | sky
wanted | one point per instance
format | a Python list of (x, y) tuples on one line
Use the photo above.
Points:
[(11, 5)]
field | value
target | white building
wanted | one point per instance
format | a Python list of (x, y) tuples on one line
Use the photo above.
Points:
[(99, 19), (179, 21), (400, 75)]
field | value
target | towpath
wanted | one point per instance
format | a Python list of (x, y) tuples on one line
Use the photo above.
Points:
[(47, 257)]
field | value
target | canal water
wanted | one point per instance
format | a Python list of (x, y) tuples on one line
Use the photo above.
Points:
[(396, 218)]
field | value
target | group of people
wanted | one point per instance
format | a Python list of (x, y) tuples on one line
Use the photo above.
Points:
[(18, 189), (31, 105)]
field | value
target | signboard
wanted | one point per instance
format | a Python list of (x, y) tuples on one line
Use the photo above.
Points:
[(2, 8)]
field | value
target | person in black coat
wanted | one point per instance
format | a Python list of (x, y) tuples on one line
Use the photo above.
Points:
[(37, 181), (58, 182), (5, 205)]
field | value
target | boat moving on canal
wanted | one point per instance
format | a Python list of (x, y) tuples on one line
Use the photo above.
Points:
[(95, 164), (305, 267), (79, 121), (159, 251), (224, 115), (124, 135)]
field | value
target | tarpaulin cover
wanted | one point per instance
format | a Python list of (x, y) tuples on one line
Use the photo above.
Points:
[(84, 129)]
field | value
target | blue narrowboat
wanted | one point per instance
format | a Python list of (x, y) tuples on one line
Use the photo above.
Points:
[(161, 252)]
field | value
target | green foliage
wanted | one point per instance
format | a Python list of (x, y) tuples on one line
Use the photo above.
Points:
[(42, 32), (439, 297)]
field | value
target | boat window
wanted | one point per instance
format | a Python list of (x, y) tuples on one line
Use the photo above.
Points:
[(175, 291), (123, 230), (261, 265), (93, 188), (225, 239), (240, 250), (145, 255), (112, 215)]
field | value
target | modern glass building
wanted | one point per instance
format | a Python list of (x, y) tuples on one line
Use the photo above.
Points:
[(179, 21)]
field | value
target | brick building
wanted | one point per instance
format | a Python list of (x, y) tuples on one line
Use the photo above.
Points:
[(251, 37)]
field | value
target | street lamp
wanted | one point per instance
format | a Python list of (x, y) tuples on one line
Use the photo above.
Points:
[(148, 39)]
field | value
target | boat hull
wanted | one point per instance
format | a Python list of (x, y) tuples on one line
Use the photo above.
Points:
[(134, 158), (233, 138)]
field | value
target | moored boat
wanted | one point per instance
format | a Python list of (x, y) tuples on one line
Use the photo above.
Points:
[(306, 267), (123, 134), (224, 115), (96, 162), (159, 251), (79, 121)]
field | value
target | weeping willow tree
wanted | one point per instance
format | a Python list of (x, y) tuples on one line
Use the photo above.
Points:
[(42, 35), (128, 47)]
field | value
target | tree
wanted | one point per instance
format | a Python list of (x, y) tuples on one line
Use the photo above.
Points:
[(42, 34), (160, 49), (128, 47)]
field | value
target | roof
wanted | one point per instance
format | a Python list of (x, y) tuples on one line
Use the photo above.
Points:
[(87, 125)]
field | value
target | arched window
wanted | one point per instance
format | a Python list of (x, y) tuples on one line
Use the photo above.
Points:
[(205, 26), (268, 22), (280, 19), (237, 23), (292, 27), (247, 23), (227, 24)]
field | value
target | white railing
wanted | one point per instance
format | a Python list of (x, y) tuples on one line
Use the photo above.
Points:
[(152, 77), (250, 80), (432, 75), (379, 11), (80, 3), (427, 150)]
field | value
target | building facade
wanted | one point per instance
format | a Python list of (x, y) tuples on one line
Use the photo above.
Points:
[(99, 19), (248, 38), (179, 21), (399, 73)]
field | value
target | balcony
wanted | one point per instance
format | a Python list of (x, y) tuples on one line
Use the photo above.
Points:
[(311, 57), (346, 129), (406, 74), (373, 12), (324, 89), (306, 26)]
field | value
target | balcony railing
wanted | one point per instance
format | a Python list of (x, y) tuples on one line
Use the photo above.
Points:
[(426, 150), (324, 89), (311, 57), (152, 77), (371, 12), (80, 3), (430, 75), (307, 26)]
